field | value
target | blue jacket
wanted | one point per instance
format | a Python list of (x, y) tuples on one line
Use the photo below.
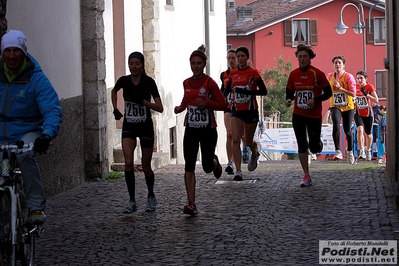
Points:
[(29, 103)]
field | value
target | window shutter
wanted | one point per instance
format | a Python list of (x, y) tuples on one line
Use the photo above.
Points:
[(313, 32), (288, 33), (370, 36)]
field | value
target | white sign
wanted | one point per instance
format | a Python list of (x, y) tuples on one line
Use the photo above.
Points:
[(283, 140)]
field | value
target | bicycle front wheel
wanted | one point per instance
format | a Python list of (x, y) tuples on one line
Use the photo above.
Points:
[(27, 238), (8, 254)]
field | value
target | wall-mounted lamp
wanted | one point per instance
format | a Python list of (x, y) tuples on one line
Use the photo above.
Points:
[(271, 32)]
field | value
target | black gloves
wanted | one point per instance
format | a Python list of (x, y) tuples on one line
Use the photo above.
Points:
[(363, 90), (42, 144), (118, 115)]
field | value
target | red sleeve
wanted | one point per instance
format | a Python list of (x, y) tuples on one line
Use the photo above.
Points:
[(217, 100), (183, 104)]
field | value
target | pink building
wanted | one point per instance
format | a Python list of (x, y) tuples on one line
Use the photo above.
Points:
[(270, 28)]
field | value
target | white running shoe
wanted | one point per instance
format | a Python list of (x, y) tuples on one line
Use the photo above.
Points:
[(338, 155), (368, 155), (307, 181), (350, 157), (362, 154)]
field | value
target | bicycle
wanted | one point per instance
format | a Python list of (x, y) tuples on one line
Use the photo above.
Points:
[(17, 234)]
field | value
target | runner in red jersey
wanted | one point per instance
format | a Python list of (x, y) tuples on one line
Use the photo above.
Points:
[(201, 98), (245, 84), (364, 117), (308, 87), (225, 77)]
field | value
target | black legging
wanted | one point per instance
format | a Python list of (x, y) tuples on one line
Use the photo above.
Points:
[(193, 139), (347, 118), (307, 132)]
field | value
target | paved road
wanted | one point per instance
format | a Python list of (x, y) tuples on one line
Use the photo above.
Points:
[(265, 220)]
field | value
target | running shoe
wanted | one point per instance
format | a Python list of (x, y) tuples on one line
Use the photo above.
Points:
[(307, 181), (245, 155), (253, 163), (151, 204), (362, 154), (217, 172), (350, 157), (229, 169), (38, 217), (368, 155), (131, 207), (238, 176), (190, 209), (338, 155)]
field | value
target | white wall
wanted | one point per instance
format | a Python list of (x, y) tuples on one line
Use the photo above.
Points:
[(133, 28), (182, 30), (58, 54), (109, 45)]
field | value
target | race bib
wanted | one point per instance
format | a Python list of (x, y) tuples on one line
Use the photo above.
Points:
[(135, 113), (197, 117), (240, 97), (340, 99), (362, 102), (303, 97)]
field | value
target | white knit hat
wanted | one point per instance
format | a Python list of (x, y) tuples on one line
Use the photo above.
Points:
[(14, 38)]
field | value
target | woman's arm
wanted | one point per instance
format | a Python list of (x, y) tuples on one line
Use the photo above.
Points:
[(261, 89), (156, 105)]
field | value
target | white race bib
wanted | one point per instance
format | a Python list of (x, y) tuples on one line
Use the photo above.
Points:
[(340, 99), (303, 97), (135, 113), (362, 102), (240, 97), (197, 117)]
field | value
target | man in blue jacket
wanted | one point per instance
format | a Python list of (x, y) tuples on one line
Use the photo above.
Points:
[(30, 111)]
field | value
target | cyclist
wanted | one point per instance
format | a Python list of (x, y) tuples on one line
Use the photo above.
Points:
[(30, 112)]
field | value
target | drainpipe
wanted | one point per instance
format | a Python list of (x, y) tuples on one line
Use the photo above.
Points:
[(206, 20)]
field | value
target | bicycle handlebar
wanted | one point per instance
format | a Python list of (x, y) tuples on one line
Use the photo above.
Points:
[(18, 149)]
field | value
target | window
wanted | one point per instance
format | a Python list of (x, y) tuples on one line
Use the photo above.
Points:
[(231, 4), (172, 142), (299, 31), (377, 32), (211, 6), (381, 83), (229, 46), (169, 2)]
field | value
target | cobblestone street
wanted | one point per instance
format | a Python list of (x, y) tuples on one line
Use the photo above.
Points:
[(267, 219)]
